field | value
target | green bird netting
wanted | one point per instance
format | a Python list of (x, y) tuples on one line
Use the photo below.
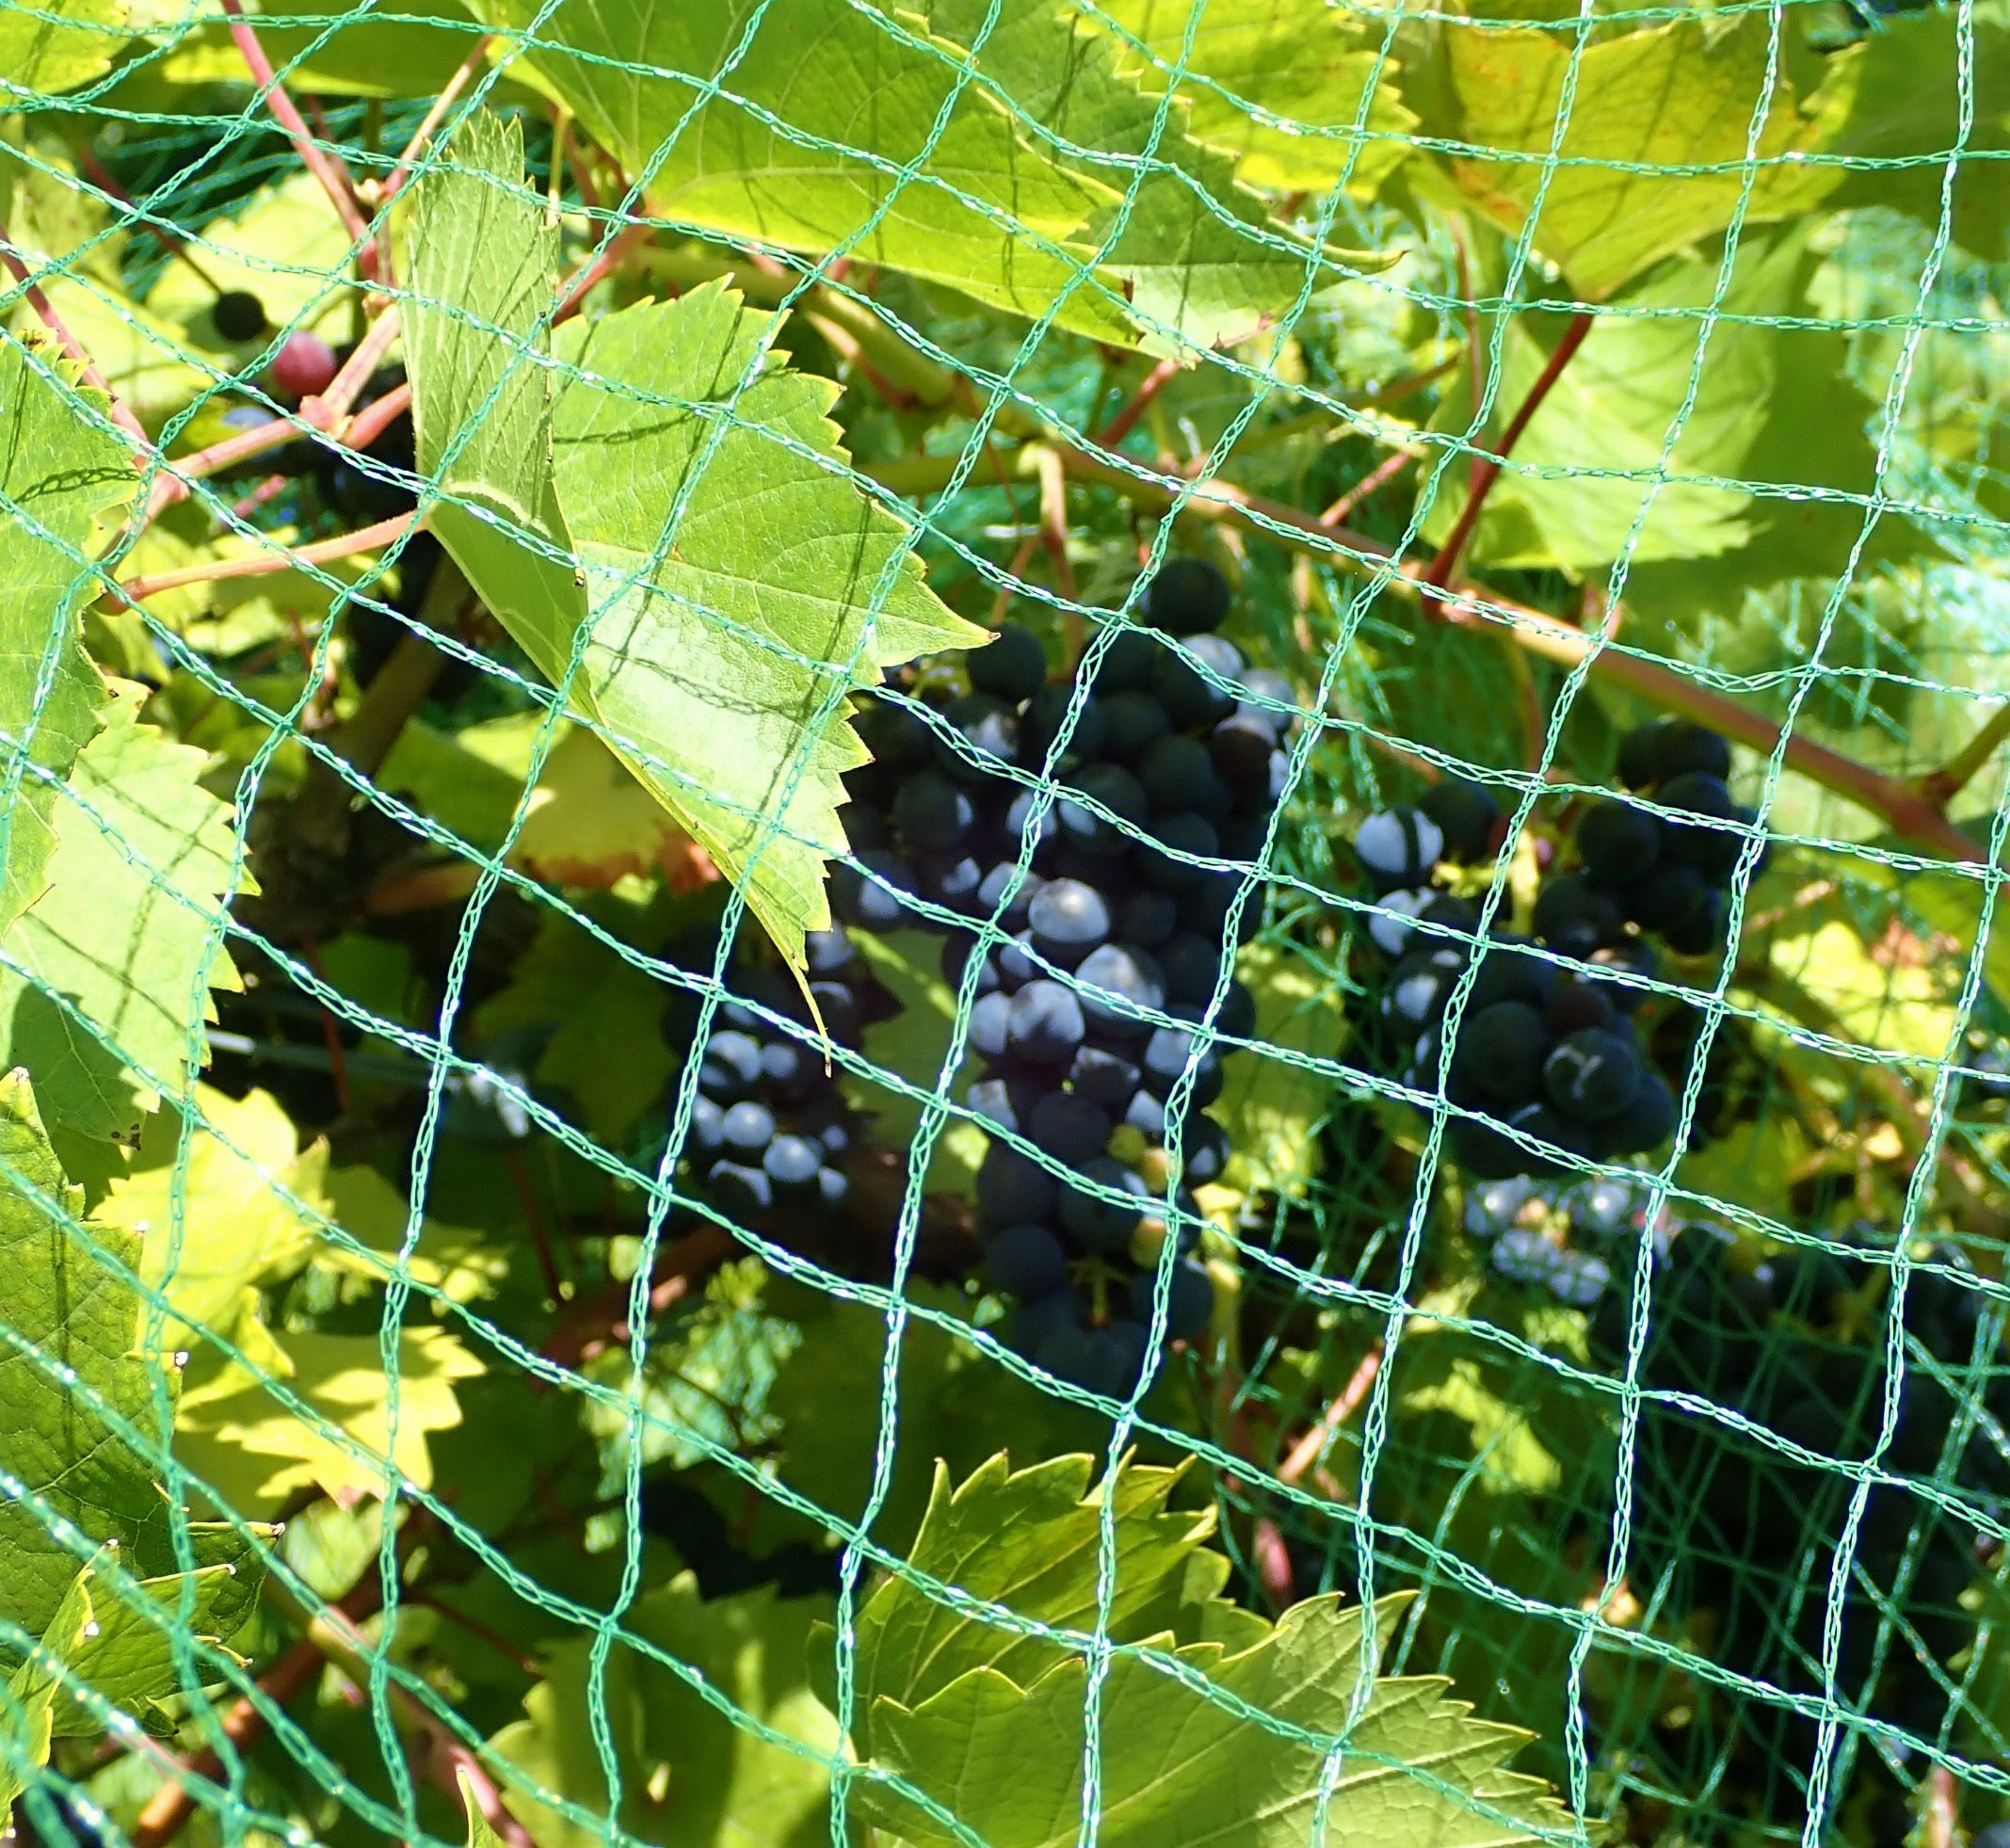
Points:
[(1003, 922)]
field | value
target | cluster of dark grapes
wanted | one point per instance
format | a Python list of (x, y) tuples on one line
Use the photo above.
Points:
[(771, 1131), (1097, 1007), (1732, 1529), (1546, 1069), (1567, 1239)]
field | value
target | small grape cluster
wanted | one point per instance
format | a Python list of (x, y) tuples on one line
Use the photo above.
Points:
[(1095, 1009), (771, 1131), (1564, 1239), (1545, 1069), (1729, 1525)]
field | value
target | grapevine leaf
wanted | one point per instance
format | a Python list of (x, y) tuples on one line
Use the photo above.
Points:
[(332, 47), (1198, 258), (121, 945), (714, 647), (238, 1226), (591, 824), (774, 152), (1904, 124), (1592, 453), (56, 48), (990, 1724), (60, 479), (1657, 147), (256, 1450), (690, 1772), (68, 1461), (1276, 1104), (481, 1833), (460, 1263), (1275, 85)]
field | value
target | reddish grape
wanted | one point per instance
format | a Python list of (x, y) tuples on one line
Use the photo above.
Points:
[(305, 365)]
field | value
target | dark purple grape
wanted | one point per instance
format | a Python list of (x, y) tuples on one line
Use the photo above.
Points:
[(1190, 1301), (1619, 842), (1192, 700), (1667, 897), (792, 1163), (1420, 984), (1605, 1210), (933, 814), (1067, 919), (1018, 819), (1107, 1077), (1025, 1260), (707, 1126), (790, 1070), (837, 1004), (1147, 919), (1237, 1016), (1035, 1318), (1099, 1225), (1012, 667), (871, 895), (1168, 1054), (1133, 723), (989, 1021), (989, 732), (238, 316), (1178, 774), (731, 1067), (829, 952), (1146, 1113), (1493, 1205), (1039, 724), (1241, 746), (1398, 847), (747, 1128), (740, 1188), (1578, 1279), (1013, 1188), (1016, 966), (1466, 814), (1191, 964), (1005, 1102), (1186, 597), (1045, 1023), (1390, 927), (953, 881), (1117, 985), (1701, 934), (1510, 970), (897, 736), (1575, 1003), (1127, 663), (1114, 789), (1648, 1120), (991, 890), (1071, 1128), (1590, 1075), (1574, 917), (1499, 1052), (1666, 747), (1523, 1255), (1178, 842)]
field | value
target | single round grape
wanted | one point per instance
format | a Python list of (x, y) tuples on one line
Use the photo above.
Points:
[(739, 1187), (933, 814), (1190, 1301), (1067, 919), (1390, 928), (707, 1126), (1591, 1075), (238, 316), (1134, 722), (1120, 1358), (791, 1163), (896, 732), (989, 730), (1146, 1113), (1574, 1003), (952, 880), (1191, 700), (1617, 841), (1012, 667), (1241, 746), (749, 1127), (1510, 970), (1100, 1225), (1016, 966), (1271, 697), (1107, 1077), (1012, 1188), (1039, 724), (1189, 837), (1203, 1149), (989, 1023), (1564, 1141), (790, 1070), (1178, 774), (1702, 933), (1398, 847), (1045, 1023), (1666, 747), (828, 951), (1237, 1014), (1575, 917), (1147, 919), (872, 893), (1118, 983), (1068, 1353), (992, 888), (1499, 1052), (304, 366), (1603, 1209), (1186, 597), (1493, 1205), (1127, 663), (1466, 814), (1168, 1054), (731, 1066), (1025, 1261), (1035, 1318), (1191, 964), (1420, 984), (1005, 1103), (1018, 819), (1112, 788), (1071, 1128), (1667, 897)]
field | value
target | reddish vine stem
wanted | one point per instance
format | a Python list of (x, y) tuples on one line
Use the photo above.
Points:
[(330, 169), (1125, 419), (366, 538), (171, 240), (1941, 786), (1054, 536), (401, 172), (1487, 468), (45, 310), (1373, 482)]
